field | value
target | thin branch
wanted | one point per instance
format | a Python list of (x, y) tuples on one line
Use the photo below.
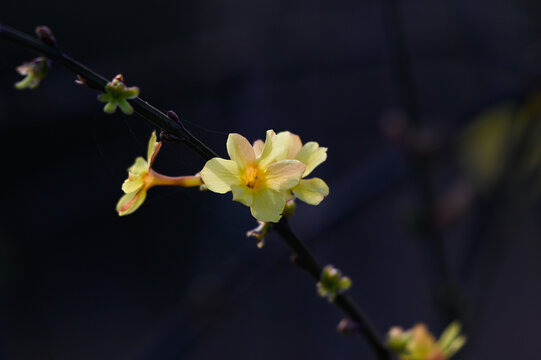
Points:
[(94, 80), (305, 259)]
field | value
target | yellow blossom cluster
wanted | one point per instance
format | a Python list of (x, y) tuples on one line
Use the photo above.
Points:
[(262, 175), (265, 175), (418, 343)]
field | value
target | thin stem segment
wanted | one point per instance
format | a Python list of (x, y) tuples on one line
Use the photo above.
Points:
[(307, 261), (155, 179), (94, 80)]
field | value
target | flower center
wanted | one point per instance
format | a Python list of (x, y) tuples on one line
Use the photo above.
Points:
[(252, 176)]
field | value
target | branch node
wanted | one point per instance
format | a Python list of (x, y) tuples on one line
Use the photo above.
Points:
[(347, 327), (173, 116), (84, 82), (167, 136), (300, 262), (46, 35)]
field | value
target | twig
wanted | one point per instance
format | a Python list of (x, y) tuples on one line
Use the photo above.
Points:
[(94, 80), (172, 126), (307, 261)]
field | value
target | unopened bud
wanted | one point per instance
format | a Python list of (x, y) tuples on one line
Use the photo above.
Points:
[(34, 71), (117, 94), (397, 339), (289, 209), (347, 327), (332, 283), (45, 34)]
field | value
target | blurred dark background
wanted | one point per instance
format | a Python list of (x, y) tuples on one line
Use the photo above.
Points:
[(178, 279)]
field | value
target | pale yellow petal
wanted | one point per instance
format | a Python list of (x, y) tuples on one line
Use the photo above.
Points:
[(449, 334), (271, 150), (283, 175), (139, 167), (153, 148), (130, 202), (242, 194), (311, 191), (288, 195), (240, 150), (219, 174), (312, 155), (292, 143), (132, 184), (258, 147), (268, 205)]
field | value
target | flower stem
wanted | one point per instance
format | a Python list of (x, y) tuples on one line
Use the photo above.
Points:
[(184, 181), (95, 80)]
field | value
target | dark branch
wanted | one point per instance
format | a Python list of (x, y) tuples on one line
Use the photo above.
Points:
[(173, 128), (307, 261), (94, 80)]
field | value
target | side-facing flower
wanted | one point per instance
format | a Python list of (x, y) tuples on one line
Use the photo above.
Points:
[(142, 177), (311, 191), (254, 176), (116, 95), (418, 343), (34, 71)]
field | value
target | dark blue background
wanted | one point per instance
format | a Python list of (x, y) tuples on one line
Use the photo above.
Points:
[(178, 279)]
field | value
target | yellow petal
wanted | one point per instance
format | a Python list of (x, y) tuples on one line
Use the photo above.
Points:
[(455, 345), (421, 337), (292, 143), (139, 167), (240, 150), (219, 174), (311, 191), (271, 150), (258, 147), (153, 148), (267, 205), (283, 175), (130, 202), (312, 155), (132, 184), (242, 194)]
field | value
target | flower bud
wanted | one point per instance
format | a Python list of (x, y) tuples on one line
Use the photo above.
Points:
[(34, 71), (117, 94), (332, 283)]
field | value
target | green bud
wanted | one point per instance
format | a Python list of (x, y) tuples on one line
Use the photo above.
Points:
[(289, 209), (332, 283), (397, 339), (34, 72), (116, 95)]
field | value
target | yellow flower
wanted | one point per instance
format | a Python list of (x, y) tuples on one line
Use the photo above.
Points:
[(254, 175), (311, 191), (419, 344), (141, 178)]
